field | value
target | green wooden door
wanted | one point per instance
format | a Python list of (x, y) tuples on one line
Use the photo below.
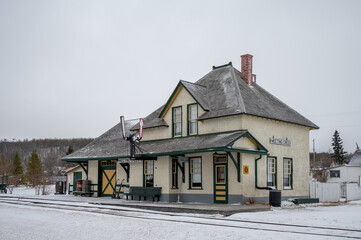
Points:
[(77, 176)]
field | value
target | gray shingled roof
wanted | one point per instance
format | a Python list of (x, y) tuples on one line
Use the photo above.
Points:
[(222, 92), (355, 160), (190, 144), (110, 145)]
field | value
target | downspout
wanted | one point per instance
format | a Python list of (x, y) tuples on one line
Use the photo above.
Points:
[(256, 176)]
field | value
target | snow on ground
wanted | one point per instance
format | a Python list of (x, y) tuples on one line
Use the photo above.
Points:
[(30, 191), (343, 215), (27, 222)]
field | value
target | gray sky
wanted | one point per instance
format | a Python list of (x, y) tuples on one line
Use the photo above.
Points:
[(71, 68)]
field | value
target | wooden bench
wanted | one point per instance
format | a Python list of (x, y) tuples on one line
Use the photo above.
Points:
[(145, 192)]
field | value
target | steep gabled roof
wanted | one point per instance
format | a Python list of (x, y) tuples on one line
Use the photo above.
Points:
[(355, 160), (197, 91), (222, 92)]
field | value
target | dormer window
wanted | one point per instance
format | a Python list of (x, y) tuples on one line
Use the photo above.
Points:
[(177, 121), (192, 119)]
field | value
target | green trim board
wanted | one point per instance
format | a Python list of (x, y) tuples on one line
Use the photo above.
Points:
[(85, 170), (227, 148), (181, 167), (72, 170), (126, 168), (174, 172), (175, 153), (248, 135)]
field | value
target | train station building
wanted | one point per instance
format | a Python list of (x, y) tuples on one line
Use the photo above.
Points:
[(222, 139)]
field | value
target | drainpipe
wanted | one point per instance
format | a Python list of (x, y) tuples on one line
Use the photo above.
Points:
[(256, 176)]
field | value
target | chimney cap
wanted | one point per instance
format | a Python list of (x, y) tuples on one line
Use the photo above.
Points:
[(247, 55)]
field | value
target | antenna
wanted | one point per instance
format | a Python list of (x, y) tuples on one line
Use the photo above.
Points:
[(122, 127)]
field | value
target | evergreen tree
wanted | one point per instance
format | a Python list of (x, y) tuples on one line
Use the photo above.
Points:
[(34, 172), (338, 152), (18, 168), (70, 150)]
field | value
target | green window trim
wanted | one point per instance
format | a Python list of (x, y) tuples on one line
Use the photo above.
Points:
[(271, 178), (148, 173), (191, 174), (192, 119), (177, 121), (174, 174), (288, 170)]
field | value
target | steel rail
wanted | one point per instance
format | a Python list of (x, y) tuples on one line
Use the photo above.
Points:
[(117, 213)]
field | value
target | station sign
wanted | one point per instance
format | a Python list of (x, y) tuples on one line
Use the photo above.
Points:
[(280, 141)]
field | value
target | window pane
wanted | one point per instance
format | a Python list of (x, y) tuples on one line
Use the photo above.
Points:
[(271, 172), (177, 121), (192, 119), (196, 172), (220, 172)]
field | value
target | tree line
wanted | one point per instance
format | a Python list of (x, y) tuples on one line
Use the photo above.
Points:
[(320, 162), (34, 162)]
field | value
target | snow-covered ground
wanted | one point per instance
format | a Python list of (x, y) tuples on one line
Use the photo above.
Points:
[(30, 191), (31, 222)]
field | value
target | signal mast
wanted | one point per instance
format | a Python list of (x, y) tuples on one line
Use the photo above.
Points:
[(132, 137)]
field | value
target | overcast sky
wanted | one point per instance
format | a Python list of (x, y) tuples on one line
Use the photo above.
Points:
[(71, 68)]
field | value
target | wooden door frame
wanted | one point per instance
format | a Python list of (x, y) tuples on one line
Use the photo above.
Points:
[(214, 179), (100, 179)]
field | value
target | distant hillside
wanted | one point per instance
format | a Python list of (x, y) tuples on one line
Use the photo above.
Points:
[(49, 150)]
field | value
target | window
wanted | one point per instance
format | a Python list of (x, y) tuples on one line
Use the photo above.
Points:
[(287, 173), (148, 173), (195, 172), (271, 172), (177, 121), (174, 174), (335, 173), (192, 119)]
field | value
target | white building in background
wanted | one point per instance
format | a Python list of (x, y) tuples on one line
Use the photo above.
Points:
[(347, 173)]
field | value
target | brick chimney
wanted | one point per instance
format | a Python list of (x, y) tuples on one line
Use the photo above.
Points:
[(246, 69)]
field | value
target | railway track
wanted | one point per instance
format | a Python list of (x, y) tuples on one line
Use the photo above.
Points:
[(207, 220)]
